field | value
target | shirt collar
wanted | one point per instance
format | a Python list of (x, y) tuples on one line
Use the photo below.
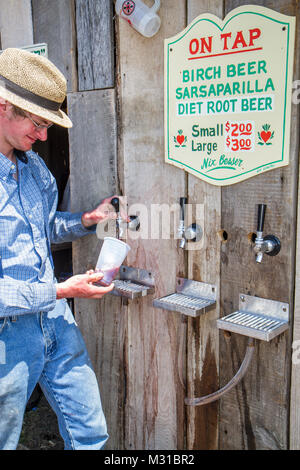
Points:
[(21, 156), (6, 166)]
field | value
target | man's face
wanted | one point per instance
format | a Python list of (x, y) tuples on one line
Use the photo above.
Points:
[(21, 131)]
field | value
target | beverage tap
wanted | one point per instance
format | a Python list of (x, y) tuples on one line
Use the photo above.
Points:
[(181, 228), (121, 225), (269, 244), (116, 204), (191, 233)]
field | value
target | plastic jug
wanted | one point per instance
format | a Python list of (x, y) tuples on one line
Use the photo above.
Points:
[(142, 18)]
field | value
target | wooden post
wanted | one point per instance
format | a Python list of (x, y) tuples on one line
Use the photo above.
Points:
[(154, 394), (93, 177), (255, 415), (204, 266), (294, 428), (295, 376)]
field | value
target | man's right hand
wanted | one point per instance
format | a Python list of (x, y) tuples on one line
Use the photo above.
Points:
[(82, 285)]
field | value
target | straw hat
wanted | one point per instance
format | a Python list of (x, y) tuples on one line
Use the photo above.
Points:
[(33, 83)]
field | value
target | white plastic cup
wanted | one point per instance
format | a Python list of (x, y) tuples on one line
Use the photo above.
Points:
[(142, 18), (112, 255)]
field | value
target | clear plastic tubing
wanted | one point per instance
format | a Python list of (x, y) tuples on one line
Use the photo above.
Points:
[(233, 382)]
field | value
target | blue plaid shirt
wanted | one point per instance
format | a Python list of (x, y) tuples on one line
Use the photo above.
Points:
[(29, 223)]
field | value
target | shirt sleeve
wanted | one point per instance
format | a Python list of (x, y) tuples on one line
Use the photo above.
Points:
[(21, 297), (67, 227)]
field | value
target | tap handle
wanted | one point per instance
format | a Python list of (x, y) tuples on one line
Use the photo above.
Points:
[(261, 217), (115, 203), (182, 201)]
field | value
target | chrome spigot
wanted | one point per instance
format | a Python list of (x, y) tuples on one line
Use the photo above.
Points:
[(119, 230), (182, 243), (191, 233), (122, 225), (269, 244), (181, 227)]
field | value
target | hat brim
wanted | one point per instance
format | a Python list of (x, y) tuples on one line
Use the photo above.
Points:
[(57, 117)]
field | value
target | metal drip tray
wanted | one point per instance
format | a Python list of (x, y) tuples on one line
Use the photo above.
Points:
[(130, 289), (258, 318), (134, 283), (190, 298)]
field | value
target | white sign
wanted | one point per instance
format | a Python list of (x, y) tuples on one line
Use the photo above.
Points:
[(228, 89), (40, 49)]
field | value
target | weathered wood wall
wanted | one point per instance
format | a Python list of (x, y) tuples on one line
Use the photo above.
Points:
[(147, 360), (256, 414), (92, 168), (93, 173), (95, 45), (204, 265), (15, 23), (54, 23), (155, 414)]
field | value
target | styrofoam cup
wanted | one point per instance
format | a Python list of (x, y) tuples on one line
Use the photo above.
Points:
[(112, 255)]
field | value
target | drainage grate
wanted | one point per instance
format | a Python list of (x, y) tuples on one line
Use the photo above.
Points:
[(130, 289), (254, 323), (203, 296), (133, 283)]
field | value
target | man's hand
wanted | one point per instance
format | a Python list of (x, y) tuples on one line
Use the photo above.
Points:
[(82, 285), (103, 212)]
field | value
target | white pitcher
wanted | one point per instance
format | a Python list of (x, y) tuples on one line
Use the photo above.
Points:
[(139, 16)]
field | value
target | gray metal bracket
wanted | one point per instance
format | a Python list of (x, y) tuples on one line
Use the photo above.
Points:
[(190, 298), (133, 283), (258, 318)]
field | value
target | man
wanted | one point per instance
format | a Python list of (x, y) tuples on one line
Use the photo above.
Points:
[(39, 339)]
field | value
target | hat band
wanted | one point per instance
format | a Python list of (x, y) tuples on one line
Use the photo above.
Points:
[(28, 95)]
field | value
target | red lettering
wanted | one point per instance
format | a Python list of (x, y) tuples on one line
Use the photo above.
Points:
[(205, 44), (239, 40), (194, 46), (254, 34), (225, 36)]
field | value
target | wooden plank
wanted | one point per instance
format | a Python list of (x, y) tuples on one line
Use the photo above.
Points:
[(294, 428), (295, 373), (93, 177), (95, 41), (154, 413), (15, 23), (204, 265), (54, 24), (255, 414)]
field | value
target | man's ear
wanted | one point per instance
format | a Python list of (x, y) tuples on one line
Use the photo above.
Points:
[(3, 102), (4, 106)]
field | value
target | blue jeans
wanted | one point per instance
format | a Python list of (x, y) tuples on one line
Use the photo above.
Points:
[(48, 349)]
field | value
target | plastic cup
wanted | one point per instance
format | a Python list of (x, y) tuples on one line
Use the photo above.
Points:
[(140, 16), (112, 255)]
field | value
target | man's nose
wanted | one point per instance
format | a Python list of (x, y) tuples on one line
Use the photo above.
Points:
[(42, 134)]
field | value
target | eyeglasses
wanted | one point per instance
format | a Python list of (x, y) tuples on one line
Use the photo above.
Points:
[(38, 126)]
